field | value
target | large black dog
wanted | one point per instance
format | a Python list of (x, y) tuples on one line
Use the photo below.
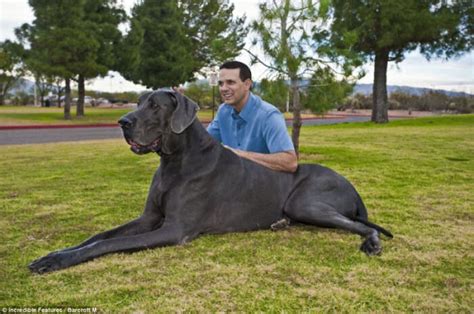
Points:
[(202, 187)]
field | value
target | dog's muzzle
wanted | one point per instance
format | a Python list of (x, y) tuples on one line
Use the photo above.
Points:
[(143, 149), (126, 125)]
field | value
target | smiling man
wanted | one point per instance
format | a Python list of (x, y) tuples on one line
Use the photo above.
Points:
[(249, 126)]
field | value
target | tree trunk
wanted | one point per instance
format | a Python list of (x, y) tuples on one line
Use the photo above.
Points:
[(295, 135), (80, 100), (60, 93), (379, 92), (67, 100)]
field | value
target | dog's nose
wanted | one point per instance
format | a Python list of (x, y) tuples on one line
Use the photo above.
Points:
[(125, 123)]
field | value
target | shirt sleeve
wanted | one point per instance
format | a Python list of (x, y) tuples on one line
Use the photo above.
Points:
[(276, 134), (213, 128)]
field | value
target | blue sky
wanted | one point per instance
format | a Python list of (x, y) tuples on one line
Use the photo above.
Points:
[(455, 74)]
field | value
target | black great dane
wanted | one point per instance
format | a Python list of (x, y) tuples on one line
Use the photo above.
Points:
[(202, 187)]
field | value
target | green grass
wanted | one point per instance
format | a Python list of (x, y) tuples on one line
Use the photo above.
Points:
[(416, 177), (18, 115)]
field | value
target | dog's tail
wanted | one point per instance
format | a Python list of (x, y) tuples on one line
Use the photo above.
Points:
[(362, 217)]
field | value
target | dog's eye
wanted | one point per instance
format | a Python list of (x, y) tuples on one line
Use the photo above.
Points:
[(152, 104)]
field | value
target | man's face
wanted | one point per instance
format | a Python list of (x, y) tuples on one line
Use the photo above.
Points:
[(233, 91)]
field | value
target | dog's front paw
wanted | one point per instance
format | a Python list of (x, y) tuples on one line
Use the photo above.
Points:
[(51, 262), (371, 245)]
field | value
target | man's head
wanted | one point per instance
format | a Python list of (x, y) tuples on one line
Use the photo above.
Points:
[(235, 82)]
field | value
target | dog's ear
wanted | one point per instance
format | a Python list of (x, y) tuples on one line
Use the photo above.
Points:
[(184, 114)]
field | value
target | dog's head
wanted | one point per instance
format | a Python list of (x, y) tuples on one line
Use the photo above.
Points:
[(160, 117)]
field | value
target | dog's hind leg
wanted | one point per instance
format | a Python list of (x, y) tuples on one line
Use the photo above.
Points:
[(323, 215)]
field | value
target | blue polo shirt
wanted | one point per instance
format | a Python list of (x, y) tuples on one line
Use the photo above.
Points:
[(259, 127)]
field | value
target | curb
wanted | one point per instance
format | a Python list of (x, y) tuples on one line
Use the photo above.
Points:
[(57, 126)]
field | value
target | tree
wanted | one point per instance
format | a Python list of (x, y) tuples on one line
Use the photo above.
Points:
[(11, 68), (164, 55), (292, 35), (34, 62), (73, 40), (100, 24), (385, 30), (325, 92), (200, 92), (169, 41), (56, 44), (215, 34), (275, 92)]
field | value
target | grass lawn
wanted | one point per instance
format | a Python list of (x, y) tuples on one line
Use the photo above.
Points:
[(23, 115), (415, 176)]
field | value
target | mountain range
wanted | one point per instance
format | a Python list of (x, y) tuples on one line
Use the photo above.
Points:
[(366, 89)]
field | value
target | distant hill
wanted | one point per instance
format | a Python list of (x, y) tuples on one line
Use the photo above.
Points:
[(366, 89)]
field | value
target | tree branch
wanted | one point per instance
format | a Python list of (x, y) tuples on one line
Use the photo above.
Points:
[(264, 63)]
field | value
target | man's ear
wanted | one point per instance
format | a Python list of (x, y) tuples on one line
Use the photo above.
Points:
[(184, 114), (248, 84)]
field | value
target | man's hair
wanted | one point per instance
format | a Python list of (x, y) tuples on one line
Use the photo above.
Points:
[(244, 69)]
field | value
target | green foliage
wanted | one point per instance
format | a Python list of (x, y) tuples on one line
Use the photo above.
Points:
[(170, 41), (402, 26), (284, 37), (201, 93), (71, 39), (325, 92), (293, 36), (386, 30), (215, 34), (165, 57), (21, 99), (275, 92), (11, 67), (102, 18), (57, 45), (415, 176)]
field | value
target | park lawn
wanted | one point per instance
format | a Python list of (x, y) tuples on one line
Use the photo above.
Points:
[(27, 115), (415, 176)]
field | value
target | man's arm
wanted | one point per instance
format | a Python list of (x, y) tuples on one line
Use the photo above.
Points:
[(282, 161)]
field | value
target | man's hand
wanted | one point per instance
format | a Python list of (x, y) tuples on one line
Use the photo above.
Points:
[(282, 161)]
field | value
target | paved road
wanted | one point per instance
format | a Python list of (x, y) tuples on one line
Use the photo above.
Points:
[(36, 136)]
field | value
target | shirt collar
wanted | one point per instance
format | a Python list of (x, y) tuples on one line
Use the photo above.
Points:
[(247, 112)]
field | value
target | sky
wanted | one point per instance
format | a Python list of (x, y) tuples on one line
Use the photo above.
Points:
[(415, 70)]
